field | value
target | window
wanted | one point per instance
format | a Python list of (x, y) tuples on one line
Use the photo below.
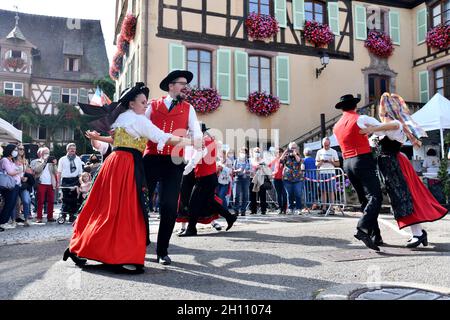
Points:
[(13, 89), (377, 20), (440, 13), (73, 64), (199, 63), (442, 81), (38, 133), (69, 96), (58, 134), (16, 54), (68, 134), (260, 74), (259, 6), (315, 11)]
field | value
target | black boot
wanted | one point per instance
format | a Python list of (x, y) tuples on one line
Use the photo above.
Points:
[(78, 261), (230, 221)]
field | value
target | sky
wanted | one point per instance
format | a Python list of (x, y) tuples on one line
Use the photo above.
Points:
[(102, 10)]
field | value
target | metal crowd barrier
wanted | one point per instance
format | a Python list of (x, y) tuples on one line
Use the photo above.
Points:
[(325, 187)]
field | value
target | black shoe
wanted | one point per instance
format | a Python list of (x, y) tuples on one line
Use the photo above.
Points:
[(78, 261), (2, 229), (263, 212), (128, 269), (377, 240), (416, 241), (72, 218), (182, 230), (231, 221), (164, 260), (188, 233), (19, 220), (242, 214), (364, 237)]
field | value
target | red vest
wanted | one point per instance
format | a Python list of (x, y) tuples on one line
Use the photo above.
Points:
[(175, 122), (207, 165), (346, 130)]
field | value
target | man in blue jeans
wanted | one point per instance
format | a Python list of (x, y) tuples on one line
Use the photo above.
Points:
[(241, 170)]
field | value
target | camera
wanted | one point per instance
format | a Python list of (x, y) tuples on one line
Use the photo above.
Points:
[(51, 159)]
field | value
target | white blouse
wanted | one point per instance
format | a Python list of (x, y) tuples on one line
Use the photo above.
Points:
[(137, 125), (396, 134)]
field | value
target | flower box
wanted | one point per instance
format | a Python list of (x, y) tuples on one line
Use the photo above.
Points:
[(379, 43), (318, 34), (14, 63), (261, 26), (128, 29), (204, 100), (439, 37), (262, 103)]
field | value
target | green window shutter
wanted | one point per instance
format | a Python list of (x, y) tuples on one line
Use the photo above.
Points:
[(83, 96), (360, 23), (241, 75), (394, 26), (283, 92), (280, 13), (333, 17), (298, 12), (423, 87), (56, 94), (421, 25), (224, 73), (177, 57)]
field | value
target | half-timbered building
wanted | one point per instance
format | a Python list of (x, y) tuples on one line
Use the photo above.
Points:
[(210, 38), (50, 60)]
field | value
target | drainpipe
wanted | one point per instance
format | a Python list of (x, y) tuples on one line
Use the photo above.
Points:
[(144, 47)]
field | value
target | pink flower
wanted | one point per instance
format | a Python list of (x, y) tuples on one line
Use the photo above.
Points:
[(128, 29), (262, 103), (204, 100), (317, 33), (379, 44), (439, 37), (261, 26)]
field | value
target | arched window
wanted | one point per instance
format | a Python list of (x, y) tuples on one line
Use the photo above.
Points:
[(199, 62), (259, 6), (260, 74), (315, 11)]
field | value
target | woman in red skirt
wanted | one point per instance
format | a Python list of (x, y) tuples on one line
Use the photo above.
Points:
[(411, 201), (112, 226)]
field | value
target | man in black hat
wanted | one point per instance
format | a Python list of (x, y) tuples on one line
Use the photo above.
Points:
[(172, 115), (360, 166)]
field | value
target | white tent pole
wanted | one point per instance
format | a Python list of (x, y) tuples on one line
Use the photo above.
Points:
[(442, 142)]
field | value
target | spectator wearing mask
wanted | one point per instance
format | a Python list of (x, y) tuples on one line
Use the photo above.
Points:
[(278, 181), (257, 166), (293, 177), (8, 166)]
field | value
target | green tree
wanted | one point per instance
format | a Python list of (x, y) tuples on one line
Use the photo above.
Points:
[(107, 85)]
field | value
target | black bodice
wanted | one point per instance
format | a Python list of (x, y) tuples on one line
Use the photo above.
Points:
[(390, 146)]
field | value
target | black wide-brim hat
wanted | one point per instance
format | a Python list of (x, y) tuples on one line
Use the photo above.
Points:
[(129, 94), (164, 85), (347, 100)]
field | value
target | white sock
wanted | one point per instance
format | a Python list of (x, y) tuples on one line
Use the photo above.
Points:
[(416, 230), (183, 225)]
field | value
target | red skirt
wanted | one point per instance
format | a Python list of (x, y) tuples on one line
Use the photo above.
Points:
[(426, 207), (110, 227)]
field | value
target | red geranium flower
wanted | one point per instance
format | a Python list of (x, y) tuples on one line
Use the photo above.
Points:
[(261, 26), (262, 103), (439, 37), (379, 43)]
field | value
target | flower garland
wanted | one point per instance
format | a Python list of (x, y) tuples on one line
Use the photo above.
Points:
[(123, 46), (114, 73), (262, 103), (261, 26), (317, 33), (14, 63), (204, 100), (439, 37), (128, 29), (379, 43)]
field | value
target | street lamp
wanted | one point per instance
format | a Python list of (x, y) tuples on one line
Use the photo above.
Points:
[(324, 60)]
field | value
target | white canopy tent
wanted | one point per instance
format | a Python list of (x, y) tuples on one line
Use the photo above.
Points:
[(434, 115), (8, 133)]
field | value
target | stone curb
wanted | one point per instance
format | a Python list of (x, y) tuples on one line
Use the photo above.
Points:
[(351, 290)]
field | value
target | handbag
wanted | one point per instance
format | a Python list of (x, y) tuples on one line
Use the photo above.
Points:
[(267, 185), (7, 182)]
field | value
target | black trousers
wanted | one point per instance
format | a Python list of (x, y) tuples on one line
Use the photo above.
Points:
[(203, 200), (361, 171), (261, 194), (161, 168)]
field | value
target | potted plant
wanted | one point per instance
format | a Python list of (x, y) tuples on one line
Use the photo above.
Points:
[(262, 103), (379, 43), (261, 26), (439, 37), (318, 34), (204, 100)]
